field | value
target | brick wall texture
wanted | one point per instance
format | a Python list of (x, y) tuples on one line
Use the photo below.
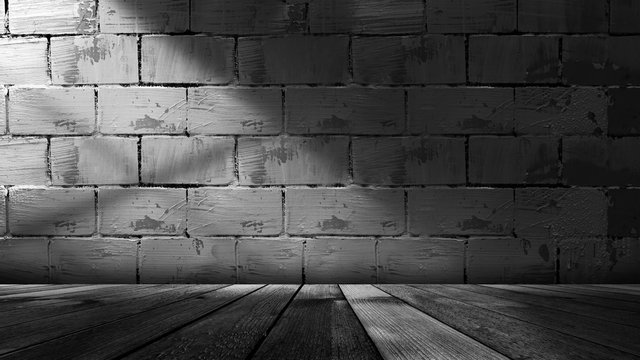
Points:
[(288, 141)]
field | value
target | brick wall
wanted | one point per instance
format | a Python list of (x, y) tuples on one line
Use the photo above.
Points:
[(320, 141)]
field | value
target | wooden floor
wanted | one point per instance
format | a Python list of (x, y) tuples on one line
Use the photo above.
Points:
[(319, 322)]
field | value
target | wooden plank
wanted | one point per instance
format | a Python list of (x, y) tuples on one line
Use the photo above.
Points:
[(616, 301), (229, 333), (634, 288), (116, 338), (58, 290), (415, 334), (318, 324), (622, 337), (502, 333), (35, 332), (7, 289), (539, 297), (609, 292), (38, 309)]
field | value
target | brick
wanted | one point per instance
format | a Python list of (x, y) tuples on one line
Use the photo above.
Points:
[(3, 210), (563, 16), (293, 60), (52, 17), (142, 110), (430, 59), (235, 211), (408, 161), (3, 22), (597, 60), (623, 214), (367, 17), (24, 261), (624, 16), (510, 260), (422, 260), (265, 261), (50, 211), (460, 211), (244, 111), (93, 261), (513, 59), (560, 213), (460, 110), (194, 260), (478, 16), (144, 16), (599, 261), (345, 211), (23, 60), (51, 111), (513, 160), (330, 261), (348, 110), (187, 59), (293, 160), (555, 111), (142, 211), (187, 160), (3, 111), (99, 59), (593, 161), (23, 161), (624, 111), (233, 17), (102, 160)]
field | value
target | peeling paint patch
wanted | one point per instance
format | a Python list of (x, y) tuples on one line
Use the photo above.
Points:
[(334, 223), (148, 223), (543, 251), (475, 223)]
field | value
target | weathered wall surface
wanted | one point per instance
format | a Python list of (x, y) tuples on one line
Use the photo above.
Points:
[(354, 141)]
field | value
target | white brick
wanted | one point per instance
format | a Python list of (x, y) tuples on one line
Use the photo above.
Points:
[(345, 211), (3, 111), (100, 59), (142, 110), (24, 260), (221, 111), (187, 59), (194, 260), (52, 16), (103, 160), (265, 261), (228, 211), (144, 16), (3, 209), (331, 260), (142, 211), (23, 61), (50, 211), (192, 160), (23, 161), (51, 111)]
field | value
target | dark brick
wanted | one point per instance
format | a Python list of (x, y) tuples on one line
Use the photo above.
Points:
[(513, 160), (294, 60), (624, 111), (460, 110), (430, 59), (553, 111), (608, 261), (593, 161), (513, 59), (572, 16), (345, 111), (408, 160), (249, 16), (624, 212), (477, 16), (597, 60), (624, 16), (366, 16)]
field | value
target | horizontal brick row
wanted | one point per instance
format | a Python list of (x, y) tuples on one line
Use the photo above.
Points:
[(237, 17), (325, 110), (322, 160), (216, 211), (318, 260), (296, 59)]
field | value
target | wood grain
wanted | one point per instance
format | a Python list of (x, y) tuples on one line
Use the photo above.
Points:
[(318, 324), (416, 335), (590, 295), (229, 333)]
